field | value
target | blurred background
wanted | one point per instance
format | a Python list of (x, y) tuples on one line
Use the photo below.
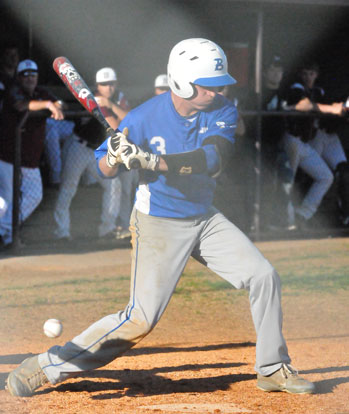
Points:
[(135, 36)]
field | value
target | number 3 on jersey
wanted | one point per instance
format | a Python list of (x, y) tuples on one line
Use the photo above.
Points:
[(160, 144)]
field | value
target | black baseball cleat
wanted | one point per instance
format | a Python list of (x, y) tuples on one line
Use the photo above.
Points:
[(285, 379), (26, 378)]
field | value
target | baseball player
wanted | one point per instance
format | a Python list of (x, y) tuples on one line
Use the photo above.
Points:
[(87, 136), (181, 140), (307, 143), (25, 95), (161, 84)]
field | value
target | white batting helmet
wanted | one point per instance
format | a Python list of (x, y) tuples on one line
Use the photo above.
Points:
[(197, 61)]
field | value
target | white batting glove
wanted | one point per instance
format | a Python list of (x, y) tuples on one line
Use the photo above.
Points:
[(134, 157), (114, 147)]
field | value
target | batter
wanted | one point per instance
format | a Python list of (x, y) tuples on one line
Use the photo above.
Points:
[(181, 140)]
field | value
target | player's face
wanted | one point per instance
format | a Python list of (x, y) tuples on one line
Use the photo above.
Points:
[(224, 91), (204, 96), (274, 74), (107, 89), (28, 81), (308, 77)]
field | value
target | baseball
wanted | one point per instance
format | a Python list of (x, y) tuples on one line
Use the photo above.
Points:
[(53, 328)]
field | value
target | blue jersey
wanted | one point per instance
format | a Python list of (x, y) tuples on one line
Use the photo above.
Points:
[(157, 127)]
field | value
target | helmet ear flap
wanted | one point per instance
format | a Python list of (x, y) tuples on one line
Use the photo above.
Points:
[(195, 91), (184, 90)]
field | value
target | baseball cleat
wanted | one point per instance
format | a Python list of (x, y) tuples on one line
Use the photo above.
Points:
[(26, 378), (285, 379), (122, 233)]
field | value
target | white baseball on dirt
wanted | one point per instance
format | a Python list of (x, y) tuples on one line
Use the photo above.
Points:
[(53, 328)]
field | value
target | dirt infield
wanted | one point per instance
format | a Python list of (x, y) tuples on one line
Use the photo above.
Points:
[(200, 357)]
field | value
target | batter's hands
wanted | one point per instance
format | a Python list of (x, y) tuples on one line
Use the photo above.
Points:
[(134, 157), (114, 147)]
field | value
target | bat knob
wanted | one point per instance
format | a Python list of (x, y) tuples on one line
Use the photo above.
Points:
[(135, 164)]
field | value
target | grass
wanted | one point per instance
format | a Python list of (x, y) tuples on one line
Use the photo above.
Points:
[(303, 268)]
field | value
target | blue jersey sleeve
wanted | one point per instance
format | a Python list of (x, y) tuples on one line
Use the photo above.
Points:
[(222, 126), (223, 120)]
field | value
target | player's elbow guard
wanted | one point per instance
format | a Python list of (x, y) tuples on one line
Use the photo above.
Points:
[(185, 163)]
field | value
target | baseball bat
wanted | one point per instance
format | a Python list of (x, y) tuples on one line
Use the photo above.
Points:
[(78, 87)]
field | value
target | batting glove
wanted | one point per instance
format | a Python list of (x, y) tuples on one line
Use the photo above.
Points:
[(114, 147), (134, 157)]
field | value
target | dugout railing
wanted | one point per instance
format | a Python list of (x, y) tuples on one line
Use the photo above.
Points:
[(38, 228)]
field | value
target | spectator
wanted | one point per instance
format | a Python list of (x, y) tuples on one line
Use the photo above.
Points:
[(87, 136), (9, 58), (161, 84), (326, 141), (57, 132), (276, 174), (127, 181), (25, 95), (304, 140)]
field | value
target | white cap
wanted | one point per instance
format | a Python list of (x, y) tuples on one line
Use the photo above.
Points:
[(106, 75), (161, 81), (27, 64)]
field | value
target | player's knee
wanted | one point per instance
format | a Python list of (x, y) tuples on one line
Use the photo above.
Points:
[(140, 323), (326, 178), (269, 279)]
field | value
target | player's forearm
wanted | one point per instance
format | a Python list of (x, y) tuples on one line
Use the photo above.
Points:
[(113, 121), (121, 113), (105, 169), (40, 105), (306, 105), (336, 108), (162, 165)]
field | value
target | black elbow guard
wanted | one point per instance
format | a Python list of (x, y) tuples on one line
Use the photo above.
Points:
[(192, 162), (224, 148)]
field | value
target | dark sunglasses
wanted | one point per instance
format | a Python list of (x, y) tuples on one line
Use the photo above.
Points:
[(28, 73)]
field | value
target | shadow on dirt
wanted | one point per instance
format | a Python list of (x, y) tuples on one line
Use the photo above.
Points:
[(148, 382), (168, 349), (327, 386)]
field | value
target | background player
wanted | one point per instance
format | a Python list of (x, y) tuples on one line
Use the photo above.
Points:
[(25, 95), (88, 135), (161, 84), (309, 146), (187, 143)]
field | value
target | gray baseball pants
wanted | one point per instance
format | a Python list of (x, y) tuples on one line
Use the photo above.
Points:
[(161, 249)]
